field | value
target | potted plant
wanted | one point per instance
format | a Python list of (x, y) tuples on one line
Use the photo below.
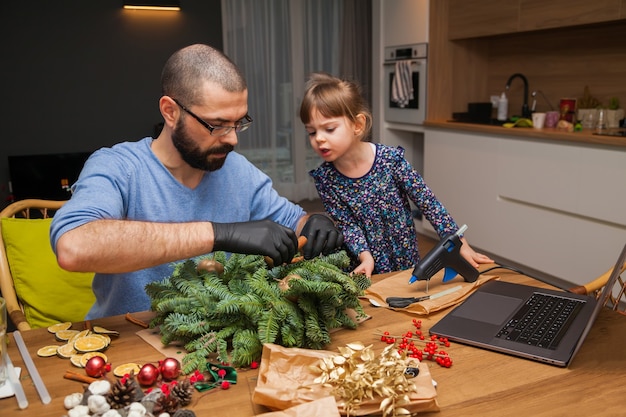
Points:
[(588, 107), (614, 114)]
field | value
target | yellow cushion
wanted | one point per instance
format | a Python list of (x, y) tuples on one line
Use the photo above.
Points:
[(49, 294)]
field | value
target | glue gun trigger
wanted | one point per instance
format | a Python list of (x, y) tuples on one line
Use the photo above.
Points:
[(449, 274)]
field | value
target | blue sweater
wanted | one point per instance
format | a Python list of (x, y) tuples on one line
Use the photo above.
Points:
[(128, 182)]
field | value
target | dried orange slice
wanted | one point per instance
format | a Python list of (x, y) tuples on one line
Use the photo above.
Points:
[(86, 356), (75, 360), (104, 337), (59, 326), (47, 351), (91, 343), (65, 335), (66, 351), (126, 368), (102, 330), (78, 335)]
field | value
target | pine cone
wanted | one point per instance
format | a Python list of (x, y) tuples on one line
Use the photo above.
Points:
[(184, 413), (124, 392), (182, 392), (165, 404)]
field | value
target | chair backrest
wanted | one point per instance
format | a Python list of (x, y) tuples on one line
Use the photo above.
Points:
[(617, 301), (37, 291)]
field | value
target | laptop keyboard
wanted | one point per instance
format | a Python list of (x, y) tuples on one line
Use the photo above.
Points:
[(542, 321)]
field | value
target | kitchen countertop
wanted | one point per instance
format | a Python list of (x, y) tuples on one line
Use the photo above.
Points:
[(586, 136)]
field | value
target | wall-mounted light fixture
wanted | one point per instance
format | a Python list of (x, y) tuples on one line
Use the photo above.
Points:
[(152, 4)]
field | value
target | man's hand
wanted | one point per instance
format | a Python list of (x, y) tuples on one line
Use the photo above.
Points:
[(322, 236), (263, 237)]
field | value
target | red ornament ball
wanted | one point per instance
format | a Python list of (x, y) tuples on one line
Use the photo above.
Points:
[(148, 375), (96, 367), (169, 368)]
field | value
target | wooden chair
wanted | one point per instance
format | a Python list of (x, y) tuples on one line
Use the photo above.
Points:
[(617, 300), (27, 209)]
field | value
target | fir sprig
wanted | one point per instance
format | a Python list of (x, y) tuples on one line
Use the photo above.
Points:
[(234, 313)]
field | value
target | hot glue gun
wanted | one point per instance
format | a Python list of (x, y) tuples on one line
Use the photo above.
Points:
[(447, 254)]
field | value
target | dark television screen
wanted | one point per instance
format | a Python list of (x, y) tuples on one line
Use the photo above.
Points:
[(47, 177)]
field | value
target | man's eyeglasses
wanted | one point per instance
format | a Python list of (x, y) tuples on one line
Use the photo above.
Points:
[(240, 126)]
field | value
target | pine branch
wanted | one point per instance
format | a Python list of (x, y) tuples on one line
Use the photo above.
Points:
[(248, 304), (246, 347)]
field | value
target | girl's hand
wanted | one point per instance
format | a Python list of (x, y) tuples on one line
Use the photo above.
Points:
[(474, 258), (366, 266)]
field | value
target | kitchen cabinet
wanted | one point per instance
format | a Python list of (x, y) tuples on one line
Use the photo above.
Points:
[(479, 18), (475, 18), (541, 14), (559, 62), (554, 207)]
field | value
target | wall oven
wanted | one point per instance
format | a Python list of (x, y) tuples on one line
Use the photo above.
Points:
[(414, 112)]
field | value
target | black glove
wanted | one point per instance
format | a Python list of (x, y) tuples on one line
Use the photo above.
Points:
[(322, 236), (263, 237)]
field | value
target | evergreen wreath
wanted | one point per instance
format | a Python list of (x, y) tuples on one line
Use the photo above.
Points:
[(238, 305)]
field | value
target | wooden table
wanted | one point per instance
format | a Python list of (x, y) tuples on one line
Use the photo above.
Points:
[(480, 383)]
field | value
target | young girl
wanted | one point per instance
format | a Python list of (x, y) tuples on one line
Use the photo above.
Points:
[(366, 187)]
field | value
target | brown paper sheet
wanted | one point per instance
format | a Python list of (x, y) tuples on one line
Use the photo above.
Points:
[(286, 381), (397, 285), (153, 338), (326, 407)]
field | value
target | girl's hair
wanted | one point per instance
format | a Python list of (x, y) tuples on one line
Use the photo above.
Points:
[(334, 97)]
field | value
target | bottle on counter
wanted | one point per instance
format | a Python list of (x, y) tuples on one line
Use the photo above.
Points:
[(503, 107)]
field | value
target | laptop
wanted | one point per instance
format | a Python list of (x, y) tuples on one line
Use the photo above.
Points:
[(491, 318)]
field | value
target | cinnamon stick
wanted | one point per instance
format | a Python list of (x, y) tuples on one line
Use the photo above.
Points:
[(136, 321), (73, 376)]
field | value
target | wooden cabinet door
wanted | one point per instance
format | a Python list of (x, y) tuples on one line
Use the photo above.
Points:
[(476, 18), (541, 14)]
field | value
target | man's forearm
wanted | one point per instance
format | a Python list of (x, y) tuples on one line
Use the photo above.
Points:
[(116, 246)]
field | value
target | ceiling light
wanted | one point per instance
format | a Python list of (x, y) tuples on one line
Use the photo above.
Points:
[(172, 5)]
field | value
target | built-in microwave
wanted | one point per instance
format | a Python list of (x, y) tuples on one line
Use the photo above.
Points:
[(413, 112)]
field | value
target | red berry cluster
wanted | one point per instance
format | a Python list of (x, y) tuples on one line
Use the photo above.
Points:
[(407, 341), (166, 388), (196, 377), (222, 383)]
